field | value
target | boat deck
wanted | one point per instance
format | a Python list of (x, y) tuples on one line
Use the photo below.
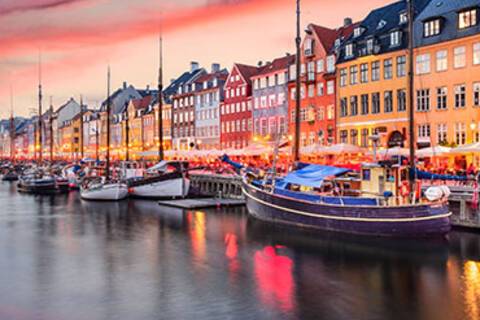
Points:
[(202, 203)]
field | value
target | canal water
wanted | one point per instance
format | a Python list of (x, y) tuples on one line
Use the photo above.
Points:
[(63, 258)]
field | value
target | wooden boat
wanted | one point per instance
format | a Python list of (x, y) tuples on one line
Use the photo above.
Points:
[(162, 182), (101, 190)]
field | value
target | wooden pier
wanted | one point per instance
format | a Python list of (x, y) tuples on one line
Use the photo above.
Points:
[(219, 186), (463, 214)]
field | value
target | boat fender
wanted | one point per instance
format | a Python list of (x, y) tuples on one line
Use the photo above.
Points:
[(405, 189), (436, 193)]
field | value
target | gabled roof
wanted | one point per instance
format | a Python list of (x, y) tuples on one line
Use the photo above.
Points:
[(247, 71), (221, 75), (276, 65), (142, 103)]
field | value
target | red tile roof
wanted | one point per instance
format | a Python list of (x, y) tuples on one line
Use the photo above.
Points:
[(142, 103), (277, 64), (328, 36), (247, 71), (210, 76)]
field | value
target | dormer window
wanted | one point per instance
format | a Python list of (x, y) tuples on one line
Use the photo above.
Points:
[(370, 43), (381, 24), (467, 18), (205, 84), (357, 32), (337, 43), (431, 28), (308, 48), (349, 50), (215, 82), (403, 18), (395, 38)]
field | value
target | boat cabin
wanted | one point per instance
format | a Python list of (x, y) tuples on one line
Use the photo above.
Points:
[(383, 178)]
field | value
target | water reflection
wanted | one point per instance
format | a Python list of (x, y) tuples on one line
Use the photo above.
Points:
[(64, 258)]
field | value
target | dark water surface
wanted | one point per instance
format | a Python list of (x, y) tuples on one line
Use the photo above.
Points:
[(63, 258)]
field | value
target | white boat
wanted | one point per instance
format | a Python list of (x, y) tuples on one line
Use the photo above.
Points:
[(100, 190), (168, 179)]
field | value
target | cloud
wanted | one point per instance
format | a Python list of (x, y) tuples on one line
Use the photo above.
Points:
[(27, 5)]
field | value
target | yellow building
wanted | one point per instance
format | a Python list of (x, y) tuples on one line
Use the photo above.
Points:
[(447, 74)]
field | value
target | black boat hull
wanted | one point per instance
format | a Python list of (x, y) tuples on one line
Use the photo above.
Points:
[(398, 221)]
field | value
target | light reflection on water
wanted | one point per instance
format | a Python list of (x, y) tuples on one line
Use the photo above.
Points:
[(63, 258)]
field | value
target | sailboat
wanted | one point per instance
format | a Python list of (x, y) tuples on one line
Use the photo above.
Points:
[(104, 188), (166, 179), (379, 201)]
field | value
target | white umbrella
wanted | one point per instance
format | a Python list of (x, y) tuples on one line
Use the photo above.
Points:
[(341, 148), (468, 148), (312, 149), (433, 151), (391, 152)]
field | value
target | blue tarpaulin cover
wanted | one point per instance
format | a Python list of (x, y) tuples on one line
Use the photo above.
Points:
[(312, 175)]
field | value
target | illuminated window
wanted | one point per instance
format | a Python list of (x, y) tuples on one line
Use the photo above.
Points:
[(431, 28), (467, 19), (441, 133), (442, 60), (423, 64)]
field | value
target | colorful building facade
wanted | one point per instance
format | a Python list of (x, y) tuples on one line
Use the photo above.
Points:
[(236, 111)]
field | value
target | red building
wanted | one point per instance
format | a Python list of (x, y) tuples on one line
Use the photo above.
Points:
[(318, 84), (236, 110)]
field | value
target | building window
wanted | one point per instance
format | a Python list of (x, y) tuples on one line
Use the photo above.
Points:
[(370, 46), (330, 87), (349, 50), (424, 131), (442, 60), (431, 28), (311, 90), (460, 95), (364, 142), (441, 133), (423, 100), (365, 106), (353, 105), (353, 74), (330, 64), (476, 94), (423, 64), (375, 70), (403, 18), (320, 66), (467, 19), (442, 98), (343, 77), (343, 107), (388, 101), (354, 137), (459, 57), (476, 53), (376, 102), (401, 100), (364, 72), (460, 133), (320, 89), (395, 38), (308, 48), (311, 71), (401, 66), (387, 69), (343, 136)]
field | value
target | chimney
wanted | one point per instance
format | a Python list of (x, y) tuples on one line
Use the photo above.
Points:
[(215, 67), (347, 22), (124, 85), (194, 66), (260, 63), (148, 88)]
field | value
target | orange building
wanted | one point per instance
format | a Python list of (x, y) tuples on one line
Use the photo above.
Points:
[(447, 73)]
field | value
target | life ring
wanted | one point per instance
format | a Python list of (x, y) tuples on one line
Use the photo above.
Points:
[(405, 189)]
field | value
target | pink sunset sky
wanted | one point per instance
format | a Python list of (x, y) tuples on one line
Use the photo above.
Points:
[(79, 38)]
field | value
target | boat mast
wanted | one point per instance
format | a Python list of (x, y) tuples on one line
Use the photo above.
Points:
[(39, 108), (411, 111), (81, 126), (296, 149), (51, 129), (107, 171), (127, 135), (160, 101), (12, 126)]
